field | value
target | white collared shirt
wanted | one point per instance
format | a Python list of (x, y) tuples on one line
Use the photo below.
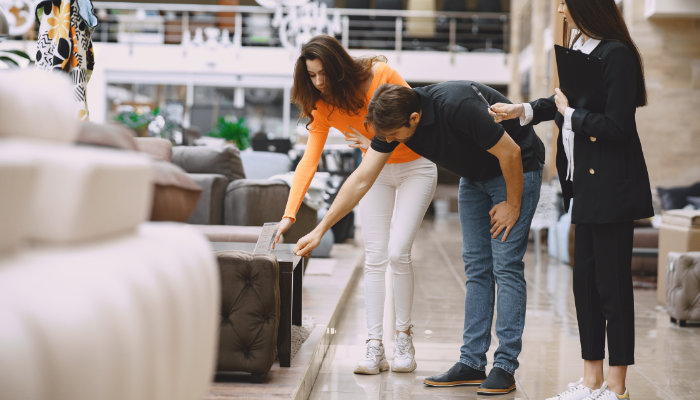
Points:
[(567, 133)]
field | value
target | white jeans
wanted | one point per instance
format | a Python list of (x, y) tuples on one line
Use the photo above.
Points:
[(404, 191)]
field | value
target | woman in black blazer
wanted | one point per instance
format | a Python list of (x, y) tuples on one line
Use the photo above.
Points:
[(601, 166)]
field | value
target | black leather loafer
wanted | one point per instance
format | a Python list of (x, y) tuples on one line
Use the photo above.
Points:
[(498, 382), (459, 375)]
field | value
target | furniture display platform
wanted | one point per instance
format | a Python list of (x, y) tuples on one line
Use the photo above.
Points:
[(290, 283)]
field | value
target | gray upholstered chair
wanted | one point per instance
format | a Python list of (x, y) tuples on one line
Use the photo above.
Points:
[(228, 198), (213, 169)]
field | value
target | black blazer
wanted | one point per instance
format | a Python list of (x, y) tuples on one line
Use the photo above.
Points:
[(611, 182)]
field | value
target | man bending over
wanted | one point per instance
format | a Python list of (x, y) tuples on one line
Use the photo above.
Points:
[(500, 165)]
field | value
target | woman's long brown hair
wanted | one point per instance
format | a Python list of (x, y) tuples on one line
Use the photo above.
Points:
[(344, 77), (601, 19)]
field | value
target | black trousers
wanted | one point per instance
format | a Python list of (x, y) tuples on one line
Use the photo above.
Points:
[(603, 291)]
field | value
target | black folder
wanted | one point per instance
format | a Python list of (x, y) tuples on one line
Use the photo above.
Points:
[(581, 78)]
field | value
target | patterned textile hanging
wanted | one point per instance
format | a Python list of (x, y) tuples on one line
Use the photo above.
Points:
[(65, 44)]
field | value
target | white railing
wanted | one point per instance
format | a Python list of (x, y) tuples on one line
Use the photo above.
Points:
[(140, 23)]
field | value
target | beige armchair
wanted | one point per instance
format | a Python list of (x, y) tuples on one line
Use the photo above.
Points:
[(683, 287)]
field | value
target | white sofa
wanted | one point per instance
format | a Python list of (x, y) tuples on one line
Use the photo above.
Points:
[(95, 303), (134, 317)]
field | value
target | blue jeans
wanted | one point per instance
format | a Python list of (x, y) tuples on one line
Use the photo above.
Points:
[(489, 263)]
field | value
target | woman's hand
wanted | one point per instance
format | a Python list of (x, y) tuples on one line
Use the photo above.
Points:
[(308, 243), (283, 227), (356, 139), (561, 101), (503, 111), (503, 217)]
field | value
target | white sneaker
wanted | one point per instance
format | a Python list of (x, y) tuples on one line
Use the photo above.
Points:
[(404, 353), (604, 393), (374, 360), (576, 391)]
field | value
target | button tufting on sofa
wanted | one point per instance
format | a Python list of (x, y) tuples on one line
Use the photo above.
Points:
[(250, 310), (683, 287)]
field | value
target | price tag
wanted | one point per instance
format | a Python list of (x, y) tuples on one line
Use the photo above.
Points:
[(266, 238)]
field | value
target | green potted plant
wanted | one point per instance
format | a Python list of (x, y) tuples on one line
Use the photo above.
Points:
[(232, 130), (138, 122), (12, 58), (151, 123)]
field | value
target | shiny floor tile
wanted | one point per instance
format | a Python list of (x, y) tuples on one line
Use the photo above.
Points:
[(666, 355)]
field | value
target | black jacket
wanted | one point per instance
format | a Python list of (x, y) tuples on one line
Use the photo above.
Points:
[(611, 182)]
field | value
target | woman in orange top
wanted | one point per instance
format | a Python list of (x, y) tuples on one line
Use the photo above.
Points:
[(332, 89)]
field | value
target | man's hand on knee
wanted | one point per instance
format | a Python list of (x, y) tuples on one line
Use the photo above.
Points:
[(503, 218)]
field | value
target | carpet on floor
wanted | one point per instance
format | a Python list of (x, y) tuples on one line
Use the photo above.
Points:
[(301, 333)]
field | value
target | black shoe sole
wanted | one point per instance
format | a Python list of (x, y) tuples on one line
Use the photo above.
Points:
[(495, 392), (476, 382)]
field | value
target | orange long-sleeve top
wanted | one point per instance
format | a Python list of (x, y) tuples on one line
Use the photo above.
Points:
[(324, 119)]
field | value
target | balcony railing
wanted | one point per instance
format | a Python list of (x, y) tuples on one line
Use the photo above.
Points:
[(142, 23)]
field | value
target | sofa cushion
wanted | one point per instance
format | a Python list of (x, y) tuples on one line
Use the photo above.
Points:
[(694, 201), (224, 160), (37, 104), (106, 135), (158, 148), (254, 201), (210, 207), (683, 218), (85, 193), (18, 178), (677, 197), (175, 194), (131, 318)]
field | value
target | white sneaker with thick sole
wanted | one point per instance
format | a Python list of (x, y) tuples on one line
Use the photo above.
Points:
[(404, 354), (374, 360), (576, 391), (604, 393)]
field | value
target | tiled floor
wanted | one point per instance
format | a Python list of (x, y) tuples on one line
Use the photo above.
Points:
[(667, 356)]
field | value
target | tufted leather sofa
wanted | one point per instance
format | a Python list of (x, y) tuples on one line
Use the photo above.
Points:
[(250, 312), (683, 287)]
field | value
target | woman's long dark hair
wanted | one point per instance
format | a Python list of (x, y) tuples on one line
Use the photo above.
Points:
[(601, 19), (344, 77)]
